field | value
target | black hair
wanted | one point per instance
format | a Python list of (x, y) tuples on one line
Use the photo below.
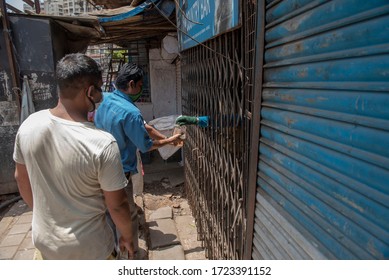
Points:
[(128, 72), (75, 71)]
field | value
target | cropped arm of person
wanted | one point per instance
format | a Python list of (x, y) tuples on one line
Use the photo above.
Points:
[(154, 134), (24, 185), (136, 130), (174, 140), (160, 139), (118, 207)]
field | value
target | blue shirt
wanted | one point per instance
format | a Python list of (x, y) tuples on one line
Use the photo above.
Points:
[(118, 115)]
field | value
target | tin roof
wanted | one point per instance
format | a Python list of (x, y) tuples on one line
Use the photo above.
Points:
[(122, 25)]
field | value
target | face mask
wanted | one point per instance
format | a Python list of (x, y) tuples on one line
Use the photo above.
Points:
[(136, 97)]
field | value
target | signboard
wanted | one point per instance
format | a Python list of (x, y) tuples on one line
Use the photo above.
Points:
[(200, 20)]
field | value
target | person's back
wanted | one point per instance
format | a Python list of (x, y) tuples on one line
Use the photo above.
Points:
[(69, 172), (121, 118), (70, 224)]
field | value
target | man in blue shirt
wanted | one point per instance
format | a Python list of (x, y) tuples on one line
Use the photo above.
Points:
[(118, 115)]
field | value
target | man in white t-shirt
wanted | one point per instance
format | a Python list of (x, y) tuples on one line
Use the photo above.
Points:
[(69, 172)]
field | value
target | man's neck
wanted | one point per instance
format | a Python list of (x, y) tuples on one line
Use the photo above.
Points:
[(67, 110)]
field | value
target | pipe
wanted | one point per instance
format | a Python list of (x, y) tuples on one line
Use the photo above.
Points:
[(12, 200)]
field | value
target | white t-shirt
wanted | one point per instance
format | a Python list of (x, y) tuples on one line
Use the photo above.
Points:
[(69, 164)]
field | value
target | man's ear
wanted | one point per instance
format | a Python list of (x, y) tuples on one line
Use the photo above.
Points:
[(131, 84), (89, 91)]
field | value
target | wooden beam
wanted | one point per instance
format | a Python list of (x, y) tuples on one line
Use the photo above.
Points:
[(37, 7), (29, 2), (9, 48)]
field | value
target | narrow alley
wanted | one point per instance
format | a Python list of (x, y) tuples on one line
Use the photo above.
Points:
[(167, 227)]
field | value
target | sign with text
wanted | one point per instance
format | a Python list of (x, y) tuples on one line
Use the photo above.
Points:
[(200, 20)]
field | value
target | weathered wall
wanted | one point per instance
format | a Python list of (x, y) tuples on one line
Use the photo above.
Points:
[(163, 83), (33, 44), (9, 122), (147, 110), (33, 40)]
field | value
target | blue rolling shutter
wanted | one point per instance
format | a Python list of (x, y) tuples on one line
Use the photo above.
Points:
[(323, 172)]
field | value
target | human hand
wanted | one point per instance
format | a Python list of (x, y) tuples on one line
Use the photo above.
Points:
[(177, 139), (127, 247)]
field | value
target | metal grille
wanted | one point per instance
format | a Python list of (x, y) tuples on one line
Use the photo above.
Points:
[(218, 84)]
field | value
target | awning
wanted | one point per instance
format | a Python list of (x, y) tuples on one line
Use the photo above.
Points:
[(151, 19)]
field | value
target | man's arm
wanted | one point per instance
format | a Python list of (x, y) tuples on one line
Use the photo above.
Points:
[(159, 139), (174, 140), (118, 207), (24, 185), (154, 134)]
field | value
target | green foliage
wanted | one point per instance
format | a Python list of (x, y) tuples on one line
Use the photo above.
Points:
[(119, 54)]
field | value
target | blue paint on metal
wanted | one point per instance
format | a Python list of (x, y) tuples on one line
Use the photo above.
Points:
[(205, 19), (349, 201), (324, 14), (288, 9), (369, 140), (137, 10), (363, 34), (359, 69), (324, 151), (369, 104)]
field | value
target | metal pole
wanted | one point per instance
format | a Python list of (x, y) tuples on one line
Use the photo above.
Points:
[(256, 117), (9, 48), (37, 7)]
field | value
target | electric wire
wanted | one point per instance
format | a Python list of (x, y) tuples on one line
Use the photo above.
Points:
[(240, 67)]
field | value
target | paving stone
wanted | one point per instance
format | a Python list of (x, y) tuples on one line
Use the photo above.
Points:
[(162, 233), (190, 243), (186, 225), (175, 252), (24, 254), (162, 213), (200, 255), (20, 228), (27, 243), (25, 218), (5, 224), (184, 204), (7, 253), (12, 240), (185, 209)]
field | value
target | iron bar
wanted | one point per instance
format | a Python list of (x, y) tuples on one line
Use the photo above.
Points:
[(255, 127), (10, 52)]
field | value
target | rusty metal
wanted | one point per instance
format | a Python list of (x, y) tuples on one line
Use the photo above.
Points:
[(37, 6), (29, 2), (9, 47), (217, 158), (257, 37)]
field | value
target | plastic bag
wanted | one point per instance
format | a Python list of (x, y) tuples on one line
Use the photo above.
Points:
[(166, 126)]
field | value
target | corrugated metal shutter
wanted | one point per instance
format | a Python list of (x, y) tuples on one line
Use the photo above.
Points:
[(323, 173)]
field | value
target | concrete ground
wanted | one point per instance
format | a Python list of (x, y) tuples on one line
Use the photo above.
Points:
[(167, 227)]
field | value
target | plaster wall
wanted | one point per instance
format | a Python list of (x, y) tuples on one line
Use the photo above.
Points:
[(162, 84)]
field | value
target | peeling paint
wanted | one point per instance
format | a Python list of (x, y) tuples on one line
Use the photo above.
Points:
[(40, 91), (4, 80), (8, 113), (288, 97)]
